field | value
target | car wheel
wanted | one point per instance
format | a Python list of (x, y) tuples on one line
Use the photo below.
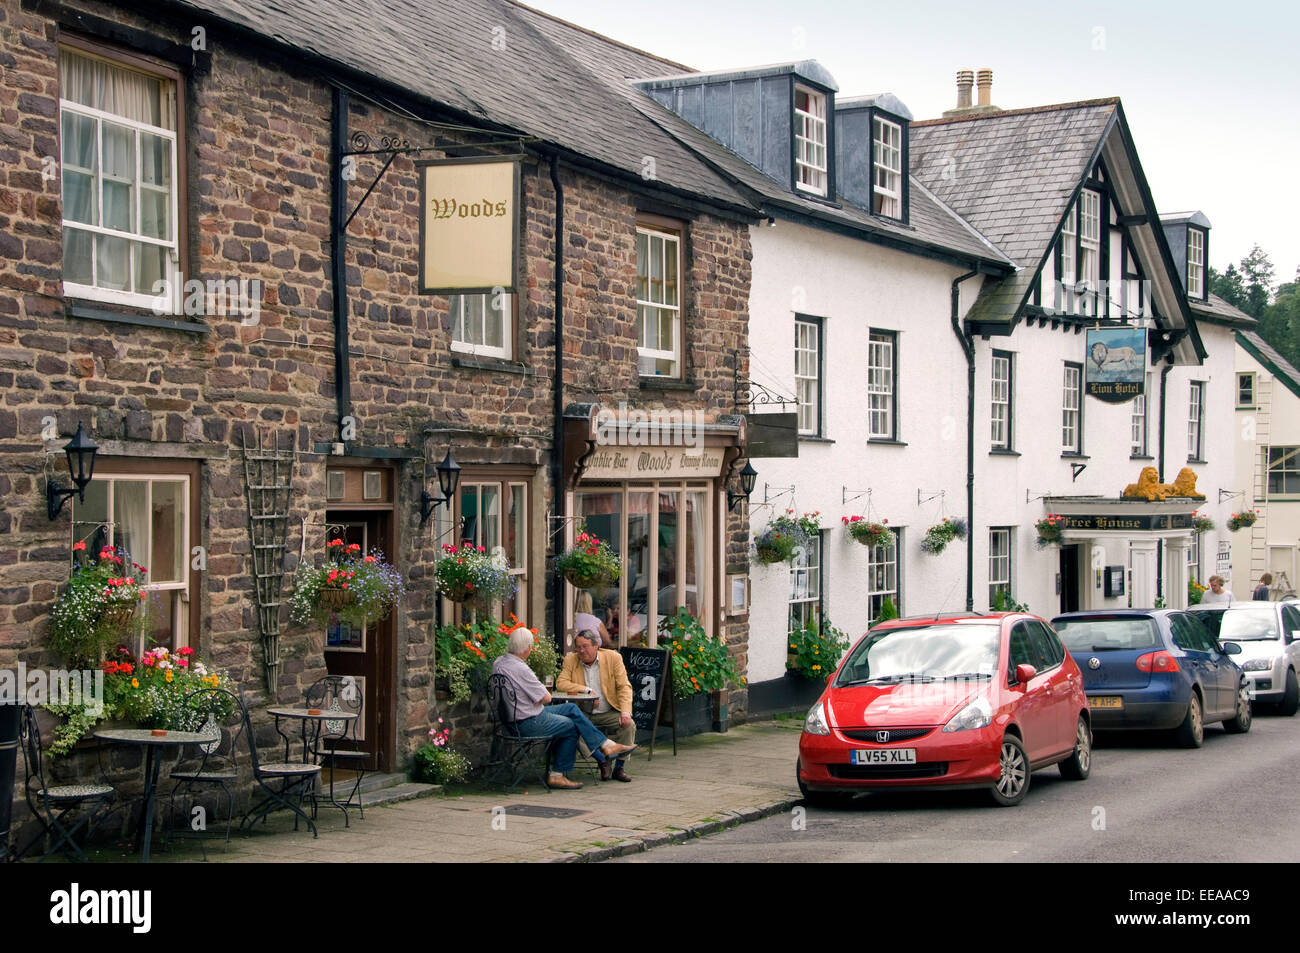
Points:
[(1291, 700), (1239, 723), (1013, 780), (1079, 764), (1191, 733)]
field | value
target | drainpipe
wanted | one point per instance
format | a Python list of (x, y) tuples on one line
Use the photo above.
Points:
[(554, 540), (338, 257), (967, 348), (1160, 464)]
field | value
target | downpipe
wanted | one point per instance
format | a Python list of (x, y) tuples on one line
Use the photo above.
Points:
[(968, 349)]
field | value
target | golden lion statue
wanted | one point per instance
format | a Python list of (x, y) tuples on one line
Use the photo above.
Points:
[(1149, 487)]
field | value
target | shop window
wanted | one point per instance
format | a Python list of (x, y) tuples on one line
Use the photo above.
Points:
[(482, 324), (119, 148), (1001, 409), (494, 512), (658, 301), (148, 516), (882, 577), (999, 563), (806, 587), (807, 374)]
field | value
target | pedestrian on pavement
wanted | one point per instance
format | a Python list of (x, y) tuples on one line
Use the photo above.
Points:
[(1261, 591), (1216, 593), (602, 673), (564, 722)]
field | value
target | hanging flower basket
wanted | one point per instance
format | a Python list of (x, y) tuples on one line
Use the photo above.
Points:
[(589, 562), (783, 539), (335, 598), (1201, 523), (1050, 529), (938, 536), (471, 575), (359, 589), (868, 532), (1238, 520), (99, 608)]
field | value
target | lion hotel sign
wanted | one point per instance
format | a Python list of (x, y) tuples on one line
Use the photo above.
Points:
[(1115, 370), (469, 225)]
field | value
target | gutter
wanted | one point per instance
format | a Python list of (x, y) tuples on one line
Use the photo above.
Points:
[(553, 544), (968, 349)]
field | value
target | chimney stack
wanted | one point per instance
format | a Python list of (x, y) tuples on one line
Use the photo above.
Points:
[(965, 79), (985, 83)]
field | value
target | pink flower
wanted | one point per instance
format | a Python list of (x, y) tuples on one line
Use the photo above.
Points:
[(79, 547)]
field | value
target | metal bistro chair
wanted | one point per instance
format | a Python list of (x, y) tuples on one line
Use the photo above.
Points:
[(511, 750), (44, 799), (298, 782), (340, 693), (216, 713)]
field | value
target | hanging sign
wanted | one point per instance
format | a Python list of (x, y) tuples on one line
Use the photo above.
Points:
[(469, 225), (1116, 367)]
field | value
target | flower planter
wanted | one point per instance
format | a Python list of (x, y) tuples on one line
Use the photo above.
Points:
[(334, 599), (120, 615), (581, 580), (767, 555), (719, 709)]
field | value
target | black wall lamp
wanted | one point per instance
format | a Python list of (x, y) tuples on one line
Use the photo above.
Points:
[(448, 478), (81, 464), (748, 477)]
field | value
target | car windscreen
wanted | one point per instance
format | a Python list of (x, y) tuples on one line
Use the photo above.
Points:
[(1242, 625), (1108, 632), (923, 653)]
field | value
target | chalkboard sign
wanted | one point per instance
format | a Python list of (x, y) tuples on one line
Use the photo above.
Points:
[(652, 681)]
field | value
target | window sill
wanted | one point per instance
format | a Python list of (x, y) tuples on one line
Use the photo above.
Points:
[(1140, 456), (490, 364), (668, 383), (885, 442), (1198, 461), (1072, 455), (1003, 452), (1247, 407), (99, 313), (814, 438)]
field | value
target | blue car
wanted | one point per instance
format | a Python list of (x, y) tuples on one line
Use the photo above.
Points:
[(1156, 669)]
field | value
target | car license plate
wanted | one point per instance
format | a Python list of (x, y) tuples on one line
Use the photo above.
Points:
[(883, 756), (1105, 701)]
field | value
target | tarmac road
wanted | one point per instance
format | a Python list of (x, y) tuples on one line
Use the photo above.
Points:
[(1237, 799)]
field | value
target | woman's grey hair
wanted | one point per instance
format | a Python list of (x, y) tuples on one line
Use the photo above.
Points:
[(521, 640), (591, 635)]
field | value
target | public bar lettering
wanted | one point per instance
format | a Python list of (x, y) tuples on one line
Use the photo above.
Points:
[(611, 464)]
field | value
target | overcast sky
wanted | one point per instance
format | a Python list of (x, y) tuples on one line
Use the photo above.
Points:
[(1211, 90)]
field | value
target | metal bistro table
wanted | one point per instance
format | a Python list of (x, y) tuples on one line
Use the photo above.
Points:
[(584, 700), (151, 742), (312, 721)]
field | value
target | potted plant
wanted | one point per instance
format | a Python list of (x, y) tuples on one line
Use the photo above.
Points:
[(887, 611), (785, 537), (1194, 592), (1245, 518), (1050, 529), (868, 532), (437, 762), (588, 562), (100, 607), (1201, 523), (699, 663), (472, 575), (359, 589), (815, 650), (938, 536)]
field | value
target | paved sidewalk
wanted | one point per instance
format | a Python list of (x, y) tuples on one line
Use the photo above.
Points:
[(715, 781)]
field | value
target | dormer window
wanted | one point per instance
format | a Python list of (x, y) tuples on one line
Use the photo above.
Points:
[(887, 168), (810, 140), (1090, 238), (1195, 263)]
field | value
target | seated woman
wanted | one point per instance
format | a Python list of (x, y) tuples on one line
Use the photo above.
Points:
[(584, 620), (564, 722)]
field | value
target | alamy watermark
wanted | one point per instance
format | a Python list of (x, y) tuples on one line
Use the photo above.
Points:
[(216, 297), (82, 688), (1090, 298), (634, 427)]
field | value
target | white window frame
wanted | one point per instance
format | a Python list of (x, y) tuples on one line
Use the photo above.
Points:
[(810, 143), (1195, 263), (887, 167), (1284, 462), (111, 295), (646, 356), (1090, 239), (460, 307), (1138, 422), (1000, 568), (504, 487), (882, 377), (807, 375), (1195, 421), (1194, 558), (1072, 409), (806, 586), (1000, 416), (1069, 250), (1244, 377), (884, 577)]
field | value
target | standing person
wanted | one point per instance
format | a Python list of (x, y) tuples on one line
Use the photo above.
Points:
[(563, 722), (1261, 591), (1216, 593), (602, 673)]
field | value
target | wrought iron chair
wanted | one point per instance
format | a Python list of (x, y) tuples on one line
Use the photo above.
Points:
[(44, 799), (337, 742), (298, 781), (512, 750), (217, 713)]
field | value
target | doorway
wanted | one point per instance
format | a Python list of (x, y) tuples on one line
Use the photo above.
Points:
[(1068, 574)]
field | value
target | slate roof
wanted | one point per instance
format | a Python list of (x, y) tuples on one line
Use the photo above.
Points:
[(1269, 356), (1218, 311), (1011, 175), (442, 52)]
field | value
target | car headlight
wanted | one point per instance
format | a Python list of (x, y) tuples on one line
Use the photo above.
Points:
[(978, 714), (1258, 665), (815, 723)]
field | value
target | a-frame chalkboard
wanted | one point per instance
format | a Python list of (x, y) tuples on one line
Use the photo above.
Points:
[(651, 676)]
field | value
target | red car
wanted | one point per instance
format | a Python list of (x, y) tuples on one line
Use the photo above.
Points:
[(962, 701)]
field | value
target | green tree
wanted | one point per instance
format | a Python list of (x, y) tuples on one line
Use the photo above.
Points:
[(1257, 276), (1229, 286)]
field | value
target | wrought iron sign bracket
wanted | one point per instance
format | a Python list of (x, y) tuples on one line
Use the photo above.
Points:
[(751, 394), (1229, 494), (942, 495), (845, 491)]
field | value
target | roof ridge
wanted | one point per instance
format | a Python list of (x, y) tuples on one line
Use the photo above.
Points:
[(600, 36), (1106, 101)]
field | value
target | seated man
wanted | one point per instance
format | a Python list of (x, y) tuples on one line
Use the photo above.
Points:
[(563, 722), (601, 672)]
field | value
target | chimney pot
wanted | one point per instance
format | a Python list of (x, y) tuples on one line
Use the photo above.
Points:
[(985, 83), (965, 79)]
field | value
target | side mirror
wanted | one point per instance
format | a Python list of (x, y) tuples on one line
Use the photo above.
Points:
[(1231, 648), (1024, 673), (1292, 636), (829, 677)]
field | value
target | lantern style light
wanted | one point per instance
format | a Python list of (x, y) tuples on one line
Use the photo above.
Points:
[(448, 479), (748, 479), (81, 452)]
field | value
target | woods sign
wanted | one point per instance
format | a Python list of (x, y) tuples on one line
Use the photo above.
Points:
[(469, 225)]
